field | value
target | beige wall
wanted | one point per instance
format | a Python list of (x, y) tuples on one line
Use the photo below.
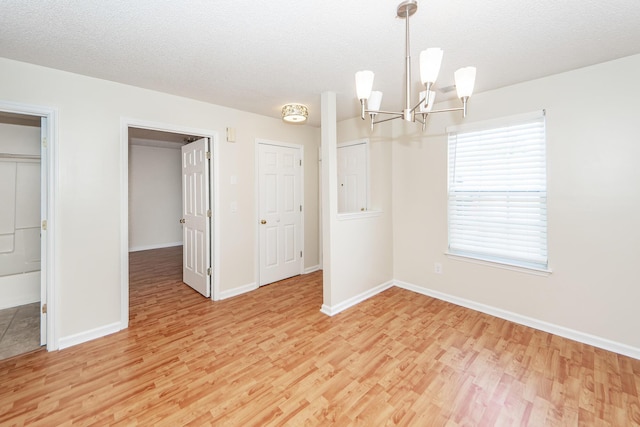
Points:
[(362, 245), (593, 205), (88, 194), (594, 202)]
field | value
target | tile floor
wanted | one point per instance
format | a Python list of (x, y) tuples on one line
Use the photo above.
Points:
[(19, 330)]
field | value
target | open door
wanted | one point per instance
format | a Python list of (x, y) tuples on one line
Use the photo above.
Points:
[(43, 229), (196, 214)]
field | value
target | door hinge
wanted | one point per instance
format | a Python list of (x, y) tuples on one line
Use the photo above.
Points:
[(44, 224), (208, 213), (44, 142), (44, 308), (209, 271), (300, 254), (300, 208), (300, 162), (209, 155)]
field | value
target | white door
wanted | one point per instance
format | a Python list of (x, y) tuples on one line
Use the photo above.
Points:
[(43, 230), (279, 174), (196, 215), (352, 177)]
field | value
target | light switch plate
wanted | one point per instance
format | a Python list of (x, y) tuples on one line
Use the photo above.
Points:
[(231, 134)]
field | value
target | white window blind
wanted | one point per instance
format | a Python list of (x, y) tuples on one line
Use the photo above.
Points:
[(498, 191)]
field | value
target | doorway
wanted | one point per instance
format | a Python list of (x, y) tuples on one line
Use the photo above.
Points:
[(152, 193), (26, 223)]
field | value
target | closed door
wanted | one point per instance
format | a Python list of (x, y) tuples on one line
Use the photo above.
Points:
[(280, 246), (196, 216)]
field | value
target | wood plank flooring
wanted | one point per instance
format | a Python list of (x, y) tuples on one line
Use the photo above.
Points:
[(270, 357)]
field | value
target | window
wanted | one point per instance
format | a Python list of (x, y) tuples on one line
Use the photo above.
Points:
[(497, 209)]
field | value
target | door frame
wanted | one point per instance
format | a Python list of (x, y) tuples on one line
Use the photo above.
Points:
[(49, 265), (300, 147), (125, 124)]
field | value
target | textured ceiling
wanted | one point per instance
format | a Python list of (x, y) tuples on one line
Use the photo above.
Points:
[(258, 55)]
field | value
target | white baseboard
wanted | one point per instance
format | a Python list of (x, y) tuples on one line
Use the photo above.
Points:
[(238, 291), (156, 246), (561, 331), (312, 269), (333, 310), (71, 340), (19, 289)]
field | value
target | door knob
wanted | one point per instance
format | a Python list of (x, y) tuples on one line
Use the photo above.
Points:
[(264, 221), (182, 221)]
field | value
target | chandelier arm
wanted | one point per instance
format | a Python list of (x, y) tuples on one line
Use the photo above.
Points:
[(386, 120), (384, 112), (444, 110), (424, 100), (418, 104)]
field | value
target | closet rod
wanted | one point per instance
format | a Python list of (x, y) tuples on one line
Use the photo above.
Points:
[(19, 156)]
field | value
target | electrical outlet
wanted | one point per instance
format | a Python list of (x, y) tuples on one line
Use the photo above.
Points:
[(437, 268)]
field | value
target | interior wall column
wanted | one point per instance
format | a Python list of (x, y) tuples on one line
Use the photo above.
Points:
[(328, 135)]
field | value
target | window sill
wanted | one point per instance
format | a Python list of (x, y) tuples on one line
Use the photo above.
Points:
[(536, 271), (358, 215)]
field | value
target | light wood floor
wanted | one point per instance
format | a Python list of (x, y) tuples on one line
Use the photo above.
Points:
[(270, 357)]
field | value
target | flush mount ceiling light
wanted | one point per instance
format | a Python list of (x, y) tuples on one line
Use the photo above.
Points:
[(430, 60), (295, 113)]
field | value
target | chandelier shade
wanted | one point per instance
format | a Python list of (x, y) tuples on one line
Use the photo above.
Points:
[(364, 84), (465, 79), (430, 61), (375, 99)]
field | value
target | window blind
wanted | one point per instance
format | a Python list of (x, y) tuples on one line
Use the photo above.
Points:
[(497, 207)]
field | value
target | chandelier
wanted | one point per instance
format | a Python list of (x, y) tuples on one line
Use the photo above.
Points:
[(430, 61)]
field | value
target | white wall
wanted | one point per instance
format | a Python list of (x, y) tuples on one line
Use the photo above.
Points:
[(89, 189), (362, 243), (155, 196), (19, 215), (593, 206)]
